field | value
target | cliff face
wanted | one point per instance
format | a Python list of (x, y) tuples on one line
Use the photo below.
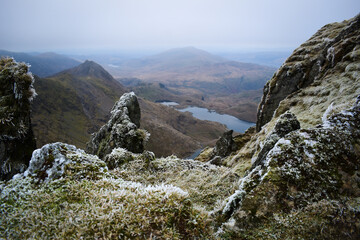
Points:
[(301, 168), (328, 63), (16, 136)]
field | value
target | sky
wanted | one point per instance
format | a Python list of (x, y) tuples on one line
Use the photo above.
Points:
[(96, 25)]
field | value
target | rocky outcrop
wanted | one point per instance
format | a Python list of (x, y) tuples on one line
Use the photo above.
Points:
[(317, 169), (121, 131), (58, 160), (16, 136), (285, 124), (300, 170), (332, 50)]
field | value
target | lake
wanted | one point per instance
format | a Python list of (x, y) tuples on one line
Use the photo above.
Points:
[(231, 122)]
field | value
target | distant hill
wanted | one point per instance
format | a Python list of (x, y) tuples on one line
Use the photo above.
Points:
[(266, 58), (76, 102), (196, 75), (174, 59), (43, 64)]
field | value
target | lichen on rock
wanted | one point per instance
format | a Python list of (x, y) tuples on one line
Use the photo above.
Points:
[(16, 136), (121, 131)]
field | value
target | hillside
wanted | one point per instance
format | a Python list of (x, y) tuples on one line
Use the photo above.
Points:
[(73, 104), (43, 64), (76, 102)]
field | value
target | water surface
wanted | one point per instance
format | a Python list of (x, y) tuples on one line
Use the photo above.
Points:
[(231, 122)]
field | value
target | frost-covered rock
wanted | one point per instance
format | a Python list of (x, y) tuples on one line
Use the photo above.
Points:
[(304, 167), (286, 123), (57, 160), (16, 136), (122, 130)]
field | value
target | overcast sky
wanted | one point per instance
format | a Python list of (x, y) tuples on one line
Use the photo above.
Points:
[(61, 25)]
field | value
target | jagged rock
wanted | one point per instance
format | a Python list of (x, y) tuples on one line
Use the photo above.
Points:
[(325, 53), (286, 123), (57, 160), (305, 168), (121, 131), (16, 136), (225, 145)]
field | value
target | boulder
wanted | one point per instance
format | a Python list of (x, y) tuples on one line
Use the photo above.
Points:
[(59, 160)]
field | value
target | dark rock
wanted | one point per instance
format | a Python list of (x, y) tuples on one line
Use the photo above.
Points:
[(120, 156), (286, 124), (216, 161), (121, 131), (225, 145), (17, 141)]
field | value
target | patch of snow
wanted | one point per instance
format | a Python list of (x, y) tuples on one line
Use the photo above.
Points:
[(331, 55), (326, 123)]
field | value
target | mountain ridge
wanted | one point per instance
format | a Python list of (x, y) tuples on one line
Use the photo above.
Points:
[(43, 64)]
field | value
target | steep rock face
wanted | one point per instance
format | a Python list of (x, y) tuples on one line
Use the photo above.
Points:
[(333, 49), (335, 87), (16, 136), (122, 130)]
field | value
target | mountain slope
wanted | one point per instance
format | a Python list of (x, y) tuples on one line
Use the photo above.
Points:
[(44, 64), (76, 102)]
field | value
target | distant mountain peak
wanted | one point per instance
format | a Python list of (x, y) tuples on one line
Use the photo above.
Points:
[(90, 68)]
